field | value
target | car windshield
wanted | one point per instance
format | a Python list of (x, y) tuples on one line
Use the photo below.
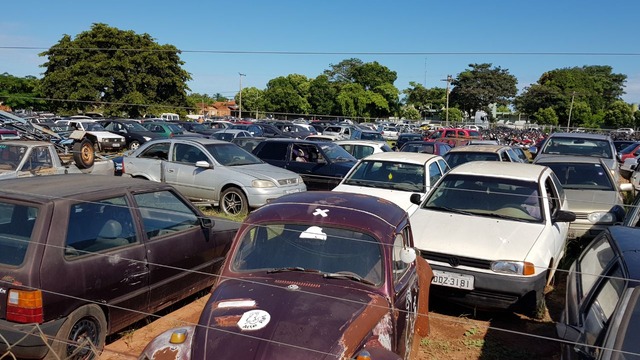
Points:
[(11, 156), (457, 158), (371, 136), (134, 127), (323, 249), (335, 152), (388, 175), (175, 129), (16, 226), (419, 148), (581, 176), (578, 147), (487, 196), (92, 126), (232, 155)]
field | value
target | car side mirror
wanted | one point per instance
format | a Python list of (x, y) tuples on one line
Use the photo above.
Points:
[(203, 164), (568, 332), (416, 198), (533, 150), (206, 222), (564, 216), (408, 255)]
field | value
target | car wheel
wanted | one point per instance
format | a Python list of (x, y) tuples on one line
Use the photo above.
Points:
[(82, 336), (535, 305), (83, 154), (134, 145), (233, 202)]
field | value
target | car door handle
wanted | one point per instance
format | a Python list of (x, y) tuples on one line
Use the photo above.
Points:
[(170, 170)]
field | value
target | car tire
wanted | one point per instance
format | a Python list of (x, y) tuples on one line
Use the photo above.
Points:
[(83, 154), (134, 144), (233, 202), (86, 323), (535, 305)]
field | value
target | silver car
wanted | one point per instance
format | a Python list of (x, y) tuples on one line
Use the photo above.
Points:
[(593, 193), (212, 172)]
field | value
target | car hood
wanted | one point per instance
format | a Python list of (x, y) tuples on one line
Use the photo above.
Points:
[(265, 171), (286, 319), (585, 201), (398, 197), (474, 236)]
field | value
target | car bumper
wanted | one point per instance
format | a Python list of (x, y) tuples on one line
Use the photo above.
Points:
[(111, 145), (261, 196), (25, 341), (491, 291), (579, 230)]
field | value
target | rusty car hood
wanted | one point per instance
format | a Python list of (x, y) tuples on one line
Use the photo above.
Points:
[(283, 318)]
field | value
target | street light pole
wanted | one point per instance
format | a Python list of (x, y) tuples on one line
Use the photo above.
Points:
[(448, 80), (573, 96), (240, 97)]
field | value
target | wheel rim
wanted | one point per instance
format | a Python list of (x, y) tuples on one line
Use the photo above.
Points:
[(84, 333), (134, 145), (232, 203), (87, 153)]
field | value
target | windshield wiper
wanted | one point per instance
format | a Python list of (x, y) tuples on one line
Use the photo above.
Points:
[(347, 275), (292, 268), (444, 208)]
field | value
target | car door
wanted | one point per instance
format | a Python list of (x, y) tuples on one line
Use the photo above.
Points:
[(192, 181), (405, 287), (315, 171), (181, 252), (555, 200)]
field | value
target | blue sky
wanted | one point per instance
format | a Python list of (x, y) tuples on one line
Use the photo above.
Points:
[(444, 36)]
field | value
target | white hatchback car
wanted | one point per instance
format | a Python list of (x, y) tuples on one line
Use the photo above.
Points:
[(395, 176), (363, 148), (494, 233)]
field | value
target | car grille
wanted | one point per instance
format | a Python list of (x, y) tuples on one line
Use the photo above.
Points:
[(456, 261), (582, 216), (291, 181)]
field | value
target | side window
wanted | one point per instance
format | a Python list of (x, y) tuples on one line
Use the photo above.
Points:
[(552, 197), (157, 151), (187, 154), (16, 225), (594, 261), (98, 226), (164, 213), (273, 151), (444, 167), (462, 133), (40, 158), (401, 242), (556, 183), (434, 173), (504, 156)]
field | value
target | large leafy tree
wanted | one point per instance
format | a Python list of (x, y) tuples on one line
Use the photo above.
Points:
[(344, 71), (20, 93), (475, 88), (322, 95), (252, 100), (427, 100), (288, 94), (618, 115), (114, 70)]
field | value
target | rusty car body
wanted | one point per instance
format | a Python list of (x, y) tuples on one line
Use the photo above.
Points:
[(82, 257), (313, 275)]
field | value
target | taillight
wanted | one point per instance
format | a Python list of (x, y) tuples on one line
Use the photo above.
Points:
[(25, 306)]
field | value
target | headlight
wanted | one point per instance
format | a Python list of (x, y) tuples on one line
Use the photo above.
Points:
[(601, 217), (513, 267), (300, 181), (146, 138), (262, 184)]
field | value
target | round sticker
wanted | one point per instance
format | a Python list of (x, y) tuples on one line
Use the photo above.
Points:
[(254, 320)]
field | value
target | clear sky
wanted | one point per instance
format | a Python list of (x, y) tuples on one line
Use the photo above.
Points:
[(443, 37)]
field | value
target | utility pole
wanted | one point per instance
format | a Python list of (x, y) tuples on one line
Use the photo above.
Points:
[(240, 97), (448, 80), (573, 96), (425, 73)]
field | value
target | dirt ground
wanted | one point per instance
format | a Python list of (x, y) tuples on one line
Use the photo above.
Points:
[(456, 333)]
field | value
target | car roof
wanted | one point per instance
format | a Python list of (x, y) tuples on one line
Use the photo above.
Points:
[(500, 169), (199, 140), (405, 157), (360, 142), (479, 148), (25, 143), (626, 239), (363, 213), (50, 188), (580, 136)]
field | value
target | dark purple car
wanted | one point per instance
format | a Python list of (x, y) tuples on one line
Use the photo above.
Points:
[(313, 275)]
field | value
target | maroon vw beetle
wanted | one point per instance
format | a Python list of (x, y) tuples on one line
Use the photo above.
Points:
[(313, 275)]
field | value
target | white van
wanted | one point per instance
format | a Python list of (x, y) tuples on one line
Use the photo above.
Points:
[(170, 117)]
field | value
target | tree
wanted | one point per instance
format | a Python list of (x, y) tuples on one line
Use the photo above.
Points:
[(482, 85), (425, 100), (546, 116), (116, 70), (344, 71), (288, 94), (455, 114), (20, 93), (409, 112), (252, 100), (618, 115), (322, 96)]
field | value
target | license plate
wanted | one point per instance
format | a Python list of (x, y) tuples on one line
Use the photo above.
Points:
[(291, 191), (455, 280), (116, 145)]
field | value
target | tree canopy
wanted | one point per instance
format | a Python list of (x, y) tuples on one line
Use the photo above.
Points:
[(20, 93), (114, 69), (481, 85)]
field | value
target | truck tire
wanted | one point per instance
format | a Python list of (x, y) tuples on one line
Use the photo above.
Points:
[(86, 325), (83, 154)]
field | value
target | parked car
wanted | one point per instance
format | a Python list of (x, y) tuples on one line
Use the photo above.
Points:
[(321, 164), (363, 148), (315, 275), (630, 151), (395, 176), (260, 130), (601, 315), (427, 147), (96, 257), (230, 134), (455, 137), (406, 137), (583, 144), (390, 132), (212, 172), (323, 137), (134, 133), (621, 144), (164, 129), (363, 134), (6, 134), (343, 131), (101, 139), (494, 233), (593, 194), (198, 128), (463, 154), (248, 143)]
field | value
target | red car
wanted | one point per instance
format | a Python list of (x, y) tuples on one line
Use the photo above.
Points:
[(630, 151), (313, 275)]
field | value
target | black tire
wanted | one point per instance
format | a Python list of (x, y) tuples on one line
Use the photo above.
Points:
[(535, 305), (233, 202), (83, 154), (86, 323), (134, 144)]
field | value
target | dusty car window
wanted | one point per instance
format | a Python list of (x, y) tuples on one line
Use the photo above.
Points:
[(388, 175), (164, 213), (10, 156), (156, 151), (582, 176), (328, 250), (595, 259), (99, 226), (16, 226)]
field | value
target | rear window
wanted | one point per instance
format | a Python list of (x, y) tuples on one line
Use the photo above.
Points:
[(16, 227)]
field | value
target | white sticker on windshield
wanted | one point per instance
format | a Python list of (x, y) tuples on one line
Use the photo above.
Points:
[(254, 320), (313, 232)]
